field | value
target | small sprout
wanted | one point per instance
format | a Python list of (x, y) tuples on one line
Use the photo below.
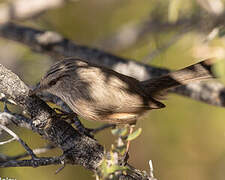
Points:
[(120, 142), (121, 150), (134, 135), (111, 165), (108, 168), (114, 157), (114, 168)]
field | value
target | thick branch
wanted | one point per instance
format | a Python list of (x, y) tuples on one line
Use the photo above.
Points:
[(59, 132), (55, 45), (211, 92)]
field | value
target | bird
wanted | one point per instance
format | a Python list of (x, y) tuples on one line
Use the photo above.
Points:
[(101, 94)]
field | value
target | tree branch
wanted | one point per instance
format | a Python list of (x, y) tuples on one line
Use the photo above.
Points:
[(55, 45), (7, 117), (15, 137), (211, 92), (43, 161), (34, 161), (44, 122), (4, 158)]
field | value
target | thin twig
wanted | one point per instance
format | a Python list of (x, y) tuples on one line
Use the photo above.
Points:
[(8, 117), (42, 161), (36, 151), (8, 141), (26, 147)]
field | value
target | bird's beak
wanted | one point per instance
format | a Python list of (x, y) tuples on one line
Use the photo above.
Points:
[(35, 90)]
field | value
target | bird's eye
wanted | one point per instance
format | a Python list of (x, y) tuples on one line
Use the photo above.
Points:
[(53, 82)]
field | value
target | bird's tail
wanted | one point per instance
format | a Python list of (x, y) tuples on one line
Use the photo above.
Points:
[(196, 72)]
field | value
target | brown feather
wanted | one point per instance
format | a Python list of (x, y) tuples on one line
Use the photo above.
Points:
[(100, 94)]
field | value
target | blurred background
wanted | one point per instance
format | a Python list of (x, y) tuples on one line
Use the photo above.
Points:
[(186, 140)]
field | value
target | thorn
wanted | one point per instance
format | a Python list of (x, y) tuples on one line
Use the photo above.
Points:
[(151, 168), (12, 102), (2, 95), (24, 112), (61, 168)]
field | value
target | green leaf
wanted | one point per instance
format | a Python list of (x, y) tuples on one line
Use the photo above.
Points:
[(119, 131), (134, 135), (112, 169), (121, 150)]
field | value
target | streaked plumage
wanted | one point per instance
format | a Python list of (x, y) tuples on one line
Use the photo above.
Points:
[(100, 94)]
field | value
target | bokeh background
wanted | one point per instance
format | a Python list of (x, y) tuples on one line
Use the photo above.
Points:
[(186, 140)]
